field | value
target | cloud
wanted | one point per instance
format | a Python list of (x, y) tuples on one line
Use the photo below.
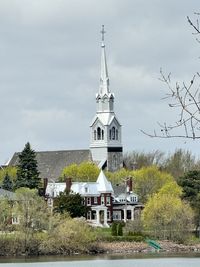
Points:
[(50, 65)]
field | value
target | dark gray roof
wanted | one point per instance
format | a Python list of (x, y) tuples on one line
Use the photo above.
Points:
[(118, 189), (51, 163), (7, 194)]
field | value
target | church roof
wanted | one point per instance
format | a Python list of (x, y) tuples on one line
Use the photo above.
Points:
[(106, 118), (51, 163)]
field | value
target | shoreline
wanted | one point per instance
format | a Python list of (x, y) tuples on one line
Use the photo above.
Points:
[(144, 248)]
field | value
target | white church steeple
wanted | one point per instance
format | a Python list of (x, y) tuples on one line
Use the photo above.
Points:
[(105, 145), (104, 79), (104, 98)]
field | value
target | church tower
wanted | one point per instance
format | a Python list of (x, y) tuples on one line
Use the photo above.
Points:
[(106, 138)]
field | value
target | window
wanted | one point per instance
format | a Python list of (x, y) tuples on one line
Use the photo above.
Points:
[(86, 189), (102, 134), (98, 133), (95, 200), (117, 135), (102, 200), (110, 134), (95, 135), (133, 199), (113, 133), (88, 201), (108, 200), (108, 215)]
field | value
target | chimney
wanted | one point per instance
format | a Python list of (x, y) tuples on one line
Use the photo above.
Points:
[(45, 182), (68, 184), (130, 184)]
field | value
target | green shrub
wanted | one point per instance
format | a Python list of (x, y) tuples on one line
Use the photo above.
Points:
[(114, 229), (120, 230)]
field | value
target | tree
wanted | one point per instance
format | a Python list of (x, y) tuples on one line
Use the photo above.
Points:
[(148, 181), (27, 172), (71, 203), (11, 171), (184, 97), (86, 171), (5, 214), (32, 212), (190, 183), (137, 160), (7, 183), (166, 216), (180, 162), (69, 237)]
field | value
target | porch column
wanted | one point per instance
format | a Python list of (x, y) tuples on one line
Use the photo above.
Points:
[(105, 217), (125, 215), (98, 217), (132, 214)]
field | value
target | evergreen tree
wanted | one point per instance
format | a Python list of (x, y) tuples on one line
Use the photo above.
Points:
[(27, 173), (71, 203), (7, 183)]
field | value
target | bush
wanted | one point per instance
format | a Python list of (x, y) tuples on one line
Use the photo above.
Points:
[(120, 230), (114, 229)]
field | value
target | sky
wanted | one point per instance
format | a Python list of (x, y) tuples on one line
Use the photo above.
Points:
[(50, 70)]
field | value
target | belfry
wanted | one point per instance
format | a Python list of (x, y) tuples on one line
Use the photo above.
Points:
[(106, 136)]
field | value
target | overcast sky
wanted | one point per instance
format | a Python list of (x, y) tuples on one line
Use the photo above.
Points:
[(50, 69)]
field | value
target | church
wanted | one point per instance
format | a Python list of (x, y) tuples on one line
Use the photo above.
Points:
[(105, 149)]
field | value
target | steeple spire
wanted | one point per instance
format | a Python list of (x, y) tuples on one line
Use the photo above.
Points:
[(104, 79)]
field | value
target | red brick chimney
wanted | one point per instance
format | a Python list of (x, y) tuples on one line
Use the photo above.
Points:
[(68, 184), (130, 184), (45, 182)]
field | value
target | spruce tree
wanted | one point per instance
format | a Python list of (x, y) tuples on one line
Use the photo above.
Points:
[(7, 183), (27, 173)]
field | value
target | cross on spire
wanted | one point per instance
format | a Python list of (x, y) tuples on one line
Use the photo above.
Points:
[(102, 32)]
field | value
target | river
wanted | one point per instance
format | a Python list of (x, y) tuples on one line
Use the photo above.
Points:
[(106, 261)]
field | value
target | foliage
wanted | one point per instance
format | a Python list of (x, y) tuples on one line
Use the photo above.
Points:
[(133, 227), (27, 172), (166, 216), (86, 171), (190, 183), (149, 181), (114, 229), (32, 212), (5, 214), (136, 160), (71, 203), (7, 183), (180, 162), (68, 237), (118, 176), (120, 229), (11, 171)]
